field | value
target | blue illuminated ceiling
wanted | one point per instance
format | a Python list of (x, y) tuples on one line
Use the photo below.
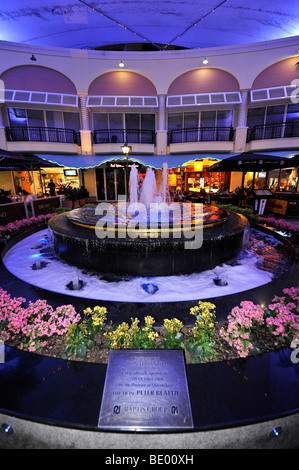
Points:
[(77, 25)]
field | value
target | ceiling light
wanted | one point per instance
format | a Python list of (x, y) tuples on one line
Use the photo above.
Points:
[(205, 61), (121, 64)]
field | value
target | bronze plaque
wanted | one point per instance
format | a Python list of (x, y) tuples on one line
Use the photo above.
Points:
[(146, 390)]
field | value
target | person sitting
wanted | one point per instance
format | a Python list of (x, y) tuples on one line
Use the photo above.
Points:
[(223, 191), (26, 196)]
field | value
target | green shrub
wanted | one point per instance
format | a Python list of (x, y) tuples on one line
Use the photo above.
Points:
[(246, 211)]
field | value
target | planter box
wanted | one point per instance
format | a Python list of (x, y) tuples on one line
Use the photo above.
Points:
[(78, 202), (86, 200), (66, 203)]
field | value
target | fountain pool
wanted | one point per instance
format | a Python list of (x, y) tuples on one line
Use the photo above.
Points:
[(257, 264), (68, 258)]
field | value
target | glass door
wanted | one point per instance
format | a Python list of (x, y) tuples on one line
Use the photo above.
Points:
[(100, 182)]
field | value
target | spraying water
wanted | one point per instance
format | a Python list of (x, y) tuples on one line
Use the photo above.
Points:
[(164, 190), (149, 192), (133, 185), (149, 189)]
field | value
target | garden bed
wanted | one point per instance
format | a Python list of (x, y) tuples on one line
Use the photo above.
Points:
[(100, 352), (249, 330), (62, 333)]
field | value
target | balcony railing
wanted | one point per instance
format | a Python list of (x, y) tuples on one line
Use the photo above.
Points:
[(201, 134), (132, 136), (42, 134), (273, 131)]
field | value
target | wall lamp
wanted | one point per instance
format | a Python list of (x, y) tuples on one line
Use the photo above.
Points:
[(205, 61), (33, 58), (121, 64)]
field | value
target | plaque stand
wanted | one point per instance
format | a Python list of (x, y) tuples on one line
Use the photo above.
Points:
[(146, 390)]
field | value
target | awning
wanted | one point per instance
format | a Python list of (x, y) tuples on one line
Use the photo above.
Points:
[(250, 161), (154, 161), (15, 161)]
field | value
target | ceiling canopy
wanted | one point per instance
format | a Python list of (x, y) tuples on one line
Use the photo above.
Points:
[(158, 24)]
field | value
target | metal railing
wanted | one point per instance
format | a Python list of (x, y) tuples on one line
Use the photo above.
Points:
[(273, 131), (131, 136), (42, 134), (201, 134)]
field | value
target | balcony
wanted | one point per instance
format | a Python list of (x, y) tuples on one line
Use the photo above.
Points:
[(273, 131), (37, 139), (109, 140), (201, 139), (201, 134), (42, 134), (273, 137), (132, 136)]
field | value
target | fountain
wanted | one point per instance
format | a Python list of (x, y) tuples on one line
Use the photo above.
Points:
[(75, 284), (160, 251)]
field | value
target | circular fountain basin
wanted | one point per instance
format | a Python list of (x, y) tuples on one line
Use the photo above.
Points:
[(221, 239), (264, 258)]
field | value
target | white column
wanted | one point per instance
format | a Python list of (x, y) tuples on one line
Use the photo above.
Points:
[(85, 132), (3, 144), (84, 112), (241, 129), (161, 113), (243, 109), (161, 133)]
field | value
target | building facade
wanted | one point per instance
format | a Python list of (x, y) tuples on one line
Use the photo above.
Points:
[(190, 108)]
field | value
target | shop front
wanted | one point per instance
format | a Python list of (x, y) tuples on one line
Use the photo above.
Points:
[(112, 179), (264, 177)]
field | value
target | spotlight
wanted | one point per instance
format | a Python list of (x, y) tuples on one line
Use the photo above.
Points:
[(276, 432), (121, 64), (6, 429), (33, 58), (205, 61)]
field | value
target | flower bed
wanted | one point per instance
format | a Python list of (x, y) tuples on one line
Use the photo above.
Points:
[(281, 225), (18, 226), (249, 329)]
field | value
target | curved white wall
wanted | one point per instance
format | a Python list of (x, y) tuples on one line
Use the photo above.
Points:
[(245, 63)]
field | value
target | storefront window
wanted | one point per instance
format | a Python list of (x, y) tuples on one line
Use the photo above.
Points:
[(225, 118), (272, 115), (191, 120), (72, 121), (275, 114), (208, 119), (111, 196), (292, 112), (100, 121), (260, 180), (175, 121), (17, 117), (289, 180), (54, 119), (116, 121), (100, 181), (273, 178), (255, 117), (148, 122), (248, 180), (124, 121), (35, 118), (132, 121)]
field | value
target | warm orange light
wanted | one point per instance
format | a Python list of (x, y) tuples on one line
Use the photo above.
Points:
[(198, 165)]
